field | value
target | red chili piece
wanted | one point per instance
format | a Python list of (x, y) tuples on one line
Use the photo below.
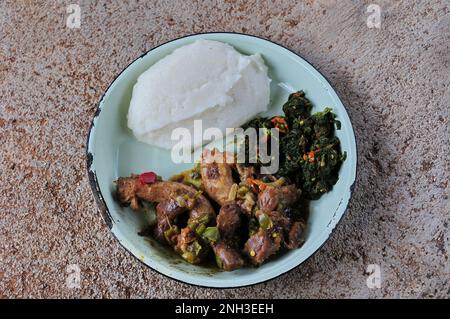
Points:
[(148, 178)]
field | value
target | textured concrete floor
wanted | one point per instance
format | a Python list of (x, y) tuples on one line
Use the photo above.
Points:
[(394, 80)]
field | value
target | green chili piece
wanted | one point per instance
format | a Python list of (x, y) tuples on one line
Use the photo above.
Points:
[(211, 234), (265, 222)]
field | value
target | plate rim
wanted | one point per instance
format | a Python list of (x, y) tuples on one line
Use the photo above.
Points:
[(103, 207)]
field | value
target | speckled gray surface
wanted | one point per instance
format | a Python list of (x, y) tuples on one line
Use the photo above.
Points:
[(394, 81)]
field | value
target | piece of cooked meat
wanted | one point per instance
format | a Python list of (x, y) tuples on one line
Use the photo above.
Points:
[(126, 191), (165, 214), (227, 257), (268, 199), (130, 189), (295, 236), (261, 246), (189, 247), (273, 197), (288, 195), (217, 177), (228, 220), (185, 238), (245, 172), (291, 233), (246, 199), (279, 220)]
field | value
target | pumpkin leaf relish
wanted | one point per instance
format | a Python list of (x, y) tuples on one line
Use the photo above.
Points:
[(310, 153)]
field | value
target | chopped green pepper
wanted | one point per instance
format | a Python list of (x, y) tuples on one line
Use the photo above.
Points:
[(171, 233), (211, 234), (265, 222)]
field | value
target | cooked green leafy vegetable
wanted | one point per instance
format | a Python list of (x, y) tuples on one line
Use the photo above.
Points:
[(297, 107), (310, 153)]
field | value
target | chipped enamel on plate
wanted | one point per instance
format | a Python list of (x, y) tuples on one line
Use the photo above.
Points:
[(112, 151)]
